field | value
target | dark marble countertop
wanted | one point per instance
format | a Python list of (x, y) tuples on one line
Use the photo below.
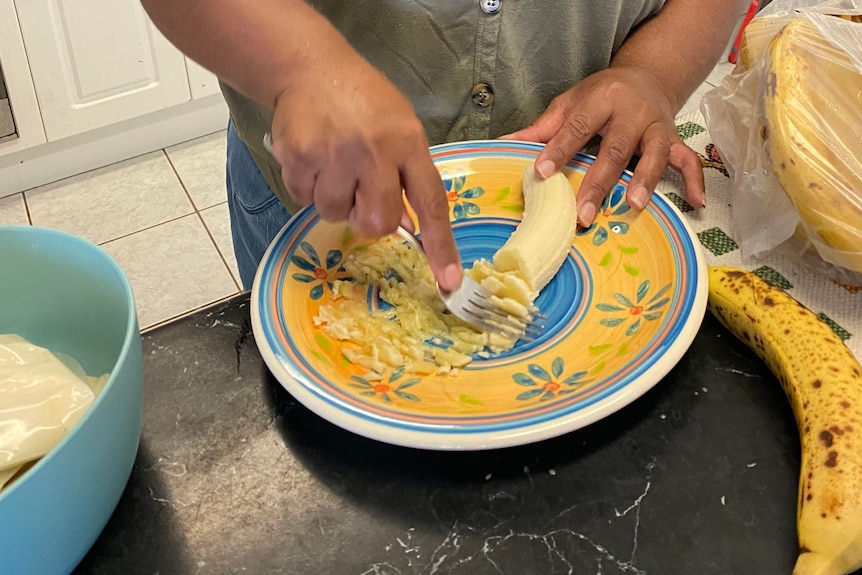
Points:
[(233, 476)]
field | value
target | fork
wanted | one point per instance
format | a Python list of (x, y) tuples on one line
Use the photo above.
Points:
[(472, 304)]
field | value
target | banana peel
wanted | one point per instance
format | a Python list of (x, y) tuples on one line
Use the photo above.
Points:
[(823, 382)]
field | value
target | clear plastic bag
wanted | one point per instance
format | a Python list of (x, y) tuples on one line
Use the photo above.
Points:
[(788, 124), (42, 396)]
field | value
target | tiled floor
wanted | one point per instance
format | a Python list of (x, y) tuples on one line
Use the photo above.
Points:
[(163, 217)]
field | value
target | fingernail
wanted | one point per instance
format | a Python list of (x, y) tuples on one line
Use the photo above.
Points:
[(451, 277), (586, 214), (506, 136), (703, 203), (545, 168), (639, 196)]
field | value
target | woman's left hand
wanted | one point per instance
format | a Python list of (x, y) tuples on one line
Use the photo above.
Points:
[(628, 109)]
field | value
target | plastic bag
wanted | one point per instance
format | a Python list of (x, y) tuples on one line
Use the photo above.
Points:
[(42, 396), (787, 122)]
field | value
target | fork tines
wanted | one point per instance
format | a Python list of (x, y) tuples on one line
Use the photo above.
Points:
[(494, 318)]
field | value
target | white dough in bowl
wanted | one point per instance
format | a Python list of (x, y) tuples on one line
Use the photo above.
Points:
[(41, 399)]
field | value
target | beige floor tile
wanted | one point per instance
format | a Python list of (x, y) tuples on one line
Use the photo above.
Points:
[(200, 165), (173, 268), (113, 201), (12, 211), (217, 221)]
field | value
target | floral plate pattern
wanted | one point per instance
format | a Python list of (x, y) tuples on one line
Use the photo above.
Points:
[(622, 311)]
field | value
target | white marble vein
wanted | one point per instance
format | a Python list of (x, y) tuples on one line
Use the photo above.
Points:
[(405, 555)]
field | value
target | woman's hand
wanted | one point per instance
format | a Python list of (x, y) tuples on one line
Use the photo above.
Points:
[(628, 109), (349, 142)]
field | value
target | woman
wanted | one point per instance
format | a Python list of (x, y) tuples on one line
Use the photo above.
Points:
[(353, 93)]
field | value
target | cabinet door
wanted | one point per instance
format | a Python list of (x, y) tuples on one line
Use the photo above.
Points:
[(203, 83), (19, 84), (98, 62)]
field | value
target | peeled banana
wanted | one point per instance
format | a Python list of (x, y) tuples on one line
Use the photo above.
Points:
[(823, 381), (813, 109), (533, 254), (540, 243)]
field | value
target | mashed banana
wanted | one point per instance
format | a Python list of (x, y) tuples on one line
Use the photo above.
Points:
[(414, 330)]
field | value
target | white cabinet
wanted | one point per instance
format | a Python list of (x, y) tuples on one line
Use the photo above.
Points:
[(98, 62), (92, 82), (19, 83), (201, 81)]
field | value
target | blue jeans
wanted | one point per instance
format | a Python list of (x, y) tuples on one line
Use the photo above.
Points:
[(256, 214)]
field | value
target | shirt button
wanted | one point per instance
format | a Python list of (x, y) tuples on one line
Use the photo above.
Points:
[(490, 6), (482, 95)]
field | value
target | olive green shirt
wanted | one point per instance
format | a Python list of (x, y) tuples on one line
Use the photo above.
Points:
[(473, 69)]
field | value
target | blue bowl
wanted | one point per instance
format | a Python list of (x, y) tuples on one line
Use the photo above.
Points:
[(66, 294)]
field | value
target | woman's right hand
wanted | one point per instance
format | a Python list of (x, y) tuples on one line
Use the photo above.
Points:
[(349, 142)]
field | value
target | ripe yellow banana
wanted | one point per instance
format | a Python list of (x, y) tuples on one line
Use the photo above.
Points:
[(756, 37), (823, 381), (812, 105), (537, 248)]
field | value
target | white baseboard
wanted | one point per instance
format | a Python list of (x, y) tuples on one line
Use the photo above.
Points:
[(46, 163)]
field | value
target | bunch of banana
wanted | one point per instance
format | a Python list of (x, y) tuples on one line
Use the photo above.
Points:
[(812, 107), (756, 39), (823, 381)]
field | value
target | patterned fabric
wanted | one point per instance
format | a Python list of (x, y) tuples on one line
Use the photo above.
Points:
[(838, 305)]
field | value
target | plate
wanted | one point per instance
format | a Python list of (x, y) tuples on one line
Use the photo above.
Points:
[(622, 311)]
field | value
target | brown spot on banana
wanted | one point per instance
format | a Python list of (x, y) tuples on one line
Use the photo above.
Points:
[(826, 437), (831, 459)]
